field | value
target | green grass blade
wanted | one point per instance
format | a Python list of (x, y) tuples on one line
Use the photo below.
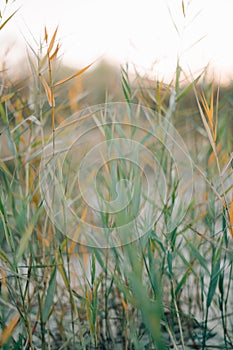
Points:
[(49, 299)]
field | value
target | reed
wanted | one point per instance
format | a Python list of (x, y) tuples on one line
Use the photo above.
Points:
[(172, 287)]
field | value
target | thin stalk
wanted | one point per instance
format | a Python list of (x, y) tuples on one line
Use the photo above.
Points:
[(71, 300), (177, 315), (53, 136)]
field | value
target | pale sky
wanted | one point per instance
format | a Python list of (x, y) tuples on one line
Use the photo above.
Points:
[(140, 32)]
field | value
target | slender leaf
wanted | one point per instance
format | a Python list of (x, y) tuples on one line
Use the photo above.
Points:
[(49, 299), (60, 82), (7, 20)]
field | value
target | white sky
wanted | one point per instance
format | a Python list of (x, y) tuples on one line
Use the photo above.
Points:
[(138, 31)]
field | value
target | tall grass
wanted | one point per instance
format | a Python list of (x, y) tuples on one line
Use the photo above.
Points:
[(168, 289)]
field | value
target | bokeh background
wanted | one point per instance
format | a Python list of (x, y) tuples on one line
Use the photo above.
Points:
[(149, 34)]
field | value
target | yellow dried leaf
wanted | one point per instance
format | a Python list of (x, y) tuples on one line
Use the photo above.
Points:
[(88, 312), (7, 20), (60, 82), (8, 330), (6, 98), (45, 35), (125, 306), (54, 55), (206, 125), (47, 91), (84, 254), (51, 44), (183, 9), (209, 112), (19, 116), (32, 178)]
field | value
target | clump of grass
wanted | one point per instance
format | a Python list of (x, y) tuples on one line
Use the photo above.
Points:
[(169, 289)]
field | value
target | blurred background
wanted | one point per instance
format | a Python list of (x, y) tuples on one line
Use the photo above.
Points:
[(150, 34)]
